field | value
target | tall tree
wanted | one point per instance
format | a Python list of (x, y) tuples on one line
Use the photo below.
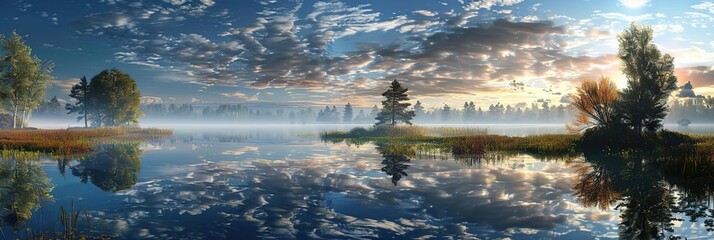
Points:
[(375, 112), (24, 78), (347, 115), (595, 102), (54, 106), (79, 92), (650, 79), (446, 113), (394, 107), (418, 109), (114, 99)]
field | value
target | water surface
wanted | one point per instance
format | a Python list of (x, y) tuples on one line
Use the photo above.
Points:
[(283, 182)]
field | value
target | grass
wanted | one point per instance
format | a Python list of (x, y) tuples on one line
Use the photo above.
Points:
[(460, 142), (71, 141), (68, 225), (476, 143)]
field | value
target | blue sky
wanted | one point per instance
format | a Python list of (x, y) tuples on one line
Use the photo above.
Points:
[(332, 52)]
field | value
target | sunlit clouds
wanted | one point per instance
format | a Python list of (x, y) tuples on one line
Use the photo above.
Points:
[(331, 52)]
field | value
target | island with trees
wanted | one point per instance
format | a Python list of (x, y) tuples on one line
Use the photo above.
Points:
[(618, 122), (109, 105)]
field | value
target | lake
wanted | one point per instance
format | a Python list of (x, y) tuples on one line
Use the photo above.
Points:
[(282, 181)]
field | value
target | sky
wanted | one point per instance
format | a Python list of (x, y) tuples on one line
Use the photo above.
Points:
[(314, 53)]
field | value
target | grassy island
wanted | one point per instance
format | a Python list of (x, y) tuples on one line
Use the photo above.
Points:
[(474, 142), (72, 141)]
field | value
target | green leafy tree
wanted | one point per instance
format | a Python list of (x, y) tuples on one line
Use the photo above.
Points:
[(113, 99), (24, 78), (347, 115), (24, 186), (79, 93), (114, 167), (394, 108), (650, 79)]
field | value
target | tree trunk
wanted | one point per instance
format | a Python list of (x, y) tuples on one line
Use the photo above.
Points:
[(22, 120), (14, 116), (393, 114), (85, 116)]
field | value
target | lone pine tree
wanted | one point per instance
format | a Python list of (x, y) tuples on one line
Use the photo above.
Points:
[(395, 107)]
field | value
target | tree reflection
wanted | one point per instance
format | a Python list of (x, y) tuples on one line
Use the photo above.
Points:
[(649, 189), (24, 186), (395, 156), (113, 167)]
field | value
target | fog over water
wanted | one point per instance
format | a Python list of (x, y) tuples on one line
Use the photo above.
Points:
[(281, 180)]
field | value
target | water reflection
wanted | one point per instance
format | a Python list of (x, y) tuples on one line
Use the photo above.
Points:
[(395, 156), (272, 185), (113, 167), (651, 191), (24, 186)]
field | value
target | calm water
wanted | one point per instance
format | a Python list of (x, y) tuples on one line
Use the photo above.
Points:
[(283, 182)]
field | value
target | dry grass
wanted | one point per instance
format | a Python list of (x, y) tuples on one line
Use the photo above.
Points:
[(461, 141), (71, 141)]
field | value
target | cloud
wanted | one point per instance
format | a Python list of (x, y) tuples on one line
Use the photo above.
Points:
[(275, 197), (488, 4), (240, 95), (295, 45), (65, 84), (96, 21), (701, 76), (151, 100), (634, 3), (709, 6), (625, 17)]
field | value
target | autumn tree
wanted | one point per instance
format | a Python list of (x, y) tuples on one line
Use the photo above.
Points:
[(24, 78), (395, 107), (650, 79), (595, 102)]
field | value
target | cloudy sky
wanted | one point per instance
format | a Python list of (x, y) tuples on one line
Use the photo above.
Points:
[(314, 53)]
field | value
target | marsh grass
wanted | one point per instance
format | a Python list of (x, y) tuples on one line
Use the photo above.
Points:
[(404, 131), (69, 142), (466, 143), (72, 223)]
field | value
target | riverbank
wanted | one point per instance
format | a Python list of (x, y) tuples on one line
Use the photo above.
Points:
[(72, 141)]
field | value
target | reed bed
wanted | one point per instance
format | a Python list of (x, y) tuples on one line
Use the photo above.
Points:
[(71, 141), (465, 142)]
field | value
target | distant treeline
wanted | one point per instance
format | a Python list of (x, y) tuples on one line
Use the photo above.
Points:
[(698, 109), (540, 112)]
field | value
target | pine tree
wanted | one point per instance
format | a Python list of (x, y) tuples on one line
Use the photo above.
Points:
[(347, 116), (375, 112), (394, 109), (79, 93), (446, 113), (418, 109)]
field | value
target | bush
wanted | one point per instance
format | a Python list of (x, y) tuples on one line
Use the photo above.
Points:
[(358, 132), (610, 137), (619, 138)]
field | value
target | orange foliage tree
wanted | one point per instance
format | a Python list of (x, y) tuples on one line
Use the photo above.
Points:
[(594, 101)]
